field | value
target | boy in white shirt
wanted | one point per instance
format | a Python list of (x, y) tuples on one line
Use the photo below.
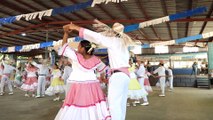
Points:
[(161, 73)]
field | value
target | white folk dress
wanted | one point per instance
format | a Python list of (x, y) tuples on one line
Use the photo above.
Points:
[(85, 99)]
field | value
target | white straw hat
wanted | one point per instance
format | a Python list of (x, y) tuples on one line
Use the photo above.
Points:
[(118, 27), (116, 30)]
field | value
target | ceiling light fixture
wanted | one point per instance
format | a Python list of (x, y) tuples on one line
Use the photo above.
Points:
[(23, 34)]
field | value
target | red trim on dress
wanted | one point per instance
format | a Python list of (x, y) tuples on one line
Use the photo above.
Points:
[(86, 106), (109, 116), (102, 69)]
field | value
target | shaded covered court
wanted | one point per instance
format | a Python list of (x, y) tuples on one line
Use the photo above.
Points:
[(175, 36), (182, 104)]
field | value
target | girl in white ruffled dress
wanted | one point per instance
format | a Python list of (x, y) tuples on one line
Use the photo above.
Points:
[(57, 84), (135, 91)]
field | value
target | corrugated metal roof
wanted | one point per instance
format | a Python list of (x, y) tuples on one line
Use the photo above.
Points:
[(131, 10)]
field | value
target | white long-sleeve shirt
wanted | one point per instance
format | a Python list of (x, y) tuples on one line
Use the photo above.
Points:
[(42, 69), (118, 55), (161, 71), (67, 72), (7, 68), (141, 71), (170, 72)]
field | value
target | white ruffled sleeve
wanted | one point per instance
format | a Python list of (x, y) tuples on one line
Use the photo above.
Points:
[(67, 52)]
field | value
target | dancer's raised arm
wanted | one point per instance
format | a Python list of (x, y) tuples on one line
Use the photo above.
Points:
[(92, 36)]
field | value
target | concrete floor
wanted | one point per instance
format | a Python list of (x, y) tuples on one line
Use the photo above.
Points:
[(182, 104)]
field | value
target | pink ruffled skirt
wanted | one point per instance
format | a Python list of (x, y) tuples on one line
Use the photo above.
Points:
[(30, 84), (84, 101)]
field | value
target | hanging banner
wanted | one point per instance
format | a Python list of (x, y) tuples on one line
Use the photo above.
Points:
[(166, 43), (166, 19), (190, 38), (71, 8), (187, 13), (34, 15), (50, 12), (11, 49), (127, 28), (57, 43), (18, 48), (105, 1), (7, 20), (77, 39), (207, 35), (154, 22), (46, 44), (3, 49), (26, 48)]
